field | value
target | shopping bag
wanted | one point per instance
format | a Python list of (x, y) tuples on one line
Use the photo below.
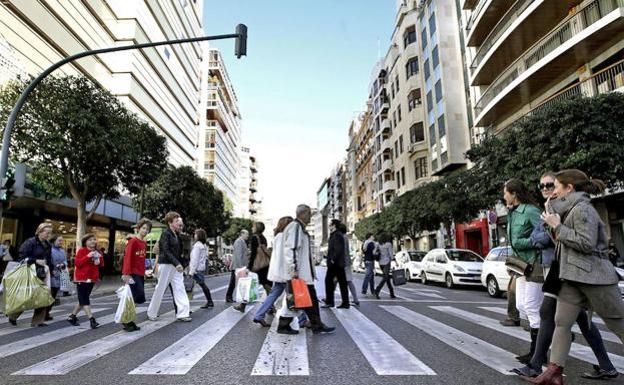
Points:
[(247, 289), (398, 277), (189, 283), (126, 310), (24, 291), (298, 296), (65, 281)]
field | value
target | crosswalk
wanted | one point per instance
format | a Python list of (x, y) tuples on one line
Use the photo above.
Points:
[(369, 329)]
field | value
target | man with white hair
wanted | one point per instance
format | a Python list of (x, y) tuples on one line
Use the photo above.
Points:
[(240, 258), (298, 260)]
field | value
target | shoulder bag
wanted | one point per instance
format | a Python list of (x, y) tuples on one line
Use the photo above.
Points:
[(262, 259)]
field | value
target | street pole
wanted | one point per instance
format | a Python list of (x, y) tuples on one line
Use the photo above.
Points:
[(241, 50)]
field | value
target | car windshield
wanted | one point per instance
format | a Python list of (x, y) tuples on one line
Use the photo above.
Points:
[(463, 256), (416, 257)]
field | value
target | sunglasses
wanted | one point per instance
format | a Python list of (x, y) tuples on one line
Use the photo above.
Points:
[(546, 186)]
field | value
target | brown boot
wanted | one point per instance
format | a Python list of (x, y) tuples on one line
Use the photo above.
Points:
[(552, 376)]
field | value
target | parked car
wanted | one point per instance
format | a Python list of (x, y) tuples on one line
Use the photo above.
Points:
[(621, 283), (494, 275), (452, 267), (410, 261)]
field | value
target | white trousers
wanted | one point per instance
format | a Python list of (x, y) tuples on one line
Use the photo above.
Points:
[(167, 274), (529, 297)]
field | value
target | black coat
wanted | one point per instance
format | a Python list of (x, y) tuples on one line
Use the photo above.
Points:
[(33, 249), (170, 246), (336, 249)]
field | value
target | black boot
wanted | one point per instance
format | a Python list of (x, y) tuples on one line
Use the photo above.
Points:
[(73, 319), (526, 359), (283, 326), (93, 323)]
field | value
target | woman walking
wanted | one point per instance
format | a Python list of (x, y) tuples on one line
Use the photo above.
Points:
[(385, 259), (197, 266), (543, 240), (349, 265), (589, 280), (59, 263), (36, 250), (258, 252), (522, 218), (133, 270), (86, 273)]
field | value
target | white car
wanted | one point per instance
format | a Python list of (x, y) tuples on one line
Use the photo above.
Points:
[(494, 275), (452, 266), (410, 261)]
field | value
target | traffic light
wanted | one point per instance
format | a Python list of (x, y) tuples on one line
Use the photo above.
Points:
[(240, 47), (6, 191)]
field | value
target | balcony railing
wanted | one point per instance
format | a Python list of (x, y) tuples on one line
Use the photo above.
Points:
[(569, 28), (499, 29), (475, 14)]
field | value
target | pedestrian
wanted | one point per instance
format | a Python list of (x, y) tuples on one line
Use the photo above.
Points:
[(589, 280), (336, 267), (133, 269), (197, 265), (523, 217), (614, 254), (170, 270), (240, 258), (36, 250), (259, 260), (349, 265), (86, 273), (543, 240), (513, 315), (298, 264), (368, 248), (385, 260), (58, 263)]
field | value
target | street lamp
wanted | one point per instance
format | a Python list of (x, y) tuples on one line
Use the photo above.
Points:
[(240, 50)]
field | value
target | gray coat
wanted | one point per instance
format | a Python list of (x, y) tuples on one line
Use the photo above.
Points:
[(348, 263), (240, 254), (582, 242)]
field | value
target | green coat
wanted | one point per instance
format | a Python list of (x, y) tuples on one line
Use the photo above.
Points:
[(520, 224)]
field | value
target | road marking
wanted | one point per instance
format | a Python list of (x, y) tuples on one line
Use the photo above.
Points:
[(54, 335), (180, 357), (484, 352), (422, 292), (29, 314), (14, 329), (579, 351), (82, 355), (385, 355), (283, 355)]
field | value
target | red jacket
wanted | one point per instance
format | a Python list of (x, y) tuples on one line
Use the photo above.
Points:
[(134, 258), (85, 269)]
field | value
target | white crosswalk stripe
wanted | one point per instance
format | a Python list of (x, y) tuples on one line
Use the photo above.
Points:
[(10, 330), (423, 293), (282, 355)]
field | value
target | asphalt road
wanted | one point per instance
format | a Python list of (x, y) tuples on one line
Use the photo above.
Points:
[(430, 335)]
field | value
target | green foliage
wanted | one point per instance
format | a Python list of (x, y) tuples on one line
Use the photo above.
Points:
[(180, 189), (234, 227)]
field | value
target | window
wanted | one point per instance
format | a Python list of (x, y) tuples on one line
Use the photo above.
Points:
[(423, 38), (432, 135), (432, 24), (401, 143), (396, 80), (420, 167), (409, 36), (392, 88), (396, 148), (394, 118), (399, 112), (427, 70), (411, 68), (398, 179), (441, 126), (413, 99), (438, 90), (429, 102), (417, 133), (435, 58), (403, 175)]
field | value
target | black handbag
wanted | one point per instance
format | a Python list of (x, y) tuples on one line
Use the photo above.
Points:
[(40, 271)]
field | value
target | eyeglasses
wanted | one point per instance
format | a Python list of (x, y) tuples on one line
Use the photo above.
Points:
[(546, 186)]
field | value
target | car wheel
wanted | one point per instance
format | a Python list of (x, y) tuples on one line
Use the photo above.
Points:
[(423, 278), (449, 281), (408, 276), (492, 287)]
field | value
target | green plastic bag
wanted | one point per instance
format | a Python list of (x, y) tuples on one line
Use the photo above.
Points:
[(24, 291), (126, 310)]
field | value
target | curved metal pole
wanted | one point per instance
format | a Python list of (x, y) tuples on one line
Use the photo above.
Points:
[(6, 138)]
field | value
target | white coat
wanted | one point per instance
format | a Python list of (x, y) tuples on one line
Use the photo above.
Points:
[(198, 258), (278, 271), (300, 249)]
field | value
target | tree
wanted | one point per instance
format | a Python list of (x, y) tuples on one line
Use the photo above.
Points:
[(81, 141), (180, 189), (235, 225)]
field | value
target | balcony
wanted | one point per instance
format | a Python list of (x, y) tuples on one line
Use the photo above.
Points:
[(485, 16), (469, 4), (385, 126), (386, 145), (576, 41), (388, 186), (521, 26), (386, 165), (385, 106)]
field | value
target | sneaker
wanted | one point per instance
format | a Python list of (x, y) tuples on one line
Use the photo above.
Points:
[(152, 318), (327, 305), (324, 330), (600, 374), (287, 330), (527, 371), (184, 319), (239, 307), (262, 322), (356, 303), (207, 305)]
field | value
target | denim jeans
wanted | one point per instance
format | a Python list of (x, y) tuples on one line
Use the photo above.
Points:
[(369, 278), (277, 290)]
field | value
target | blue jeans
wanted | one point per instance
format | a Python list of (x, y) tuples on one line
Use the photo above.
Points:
[(277, 290), (369, 278)]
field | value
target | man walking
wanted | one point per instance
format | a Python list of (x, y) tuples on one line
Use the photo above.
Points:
[(240, 258), (298, 260), (335, 267), (369, 262)]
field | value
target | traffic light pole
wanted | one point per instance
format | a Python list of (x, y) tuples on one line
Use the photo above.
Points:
[(240, 50)]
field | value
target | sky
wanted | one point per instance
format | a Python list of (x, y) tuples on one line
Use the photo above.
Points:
[(304, 79)]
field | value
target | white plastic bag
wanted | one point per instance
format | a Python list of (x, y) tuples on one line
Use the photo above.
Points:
[(126, 311), (65, 281), (247, 288)]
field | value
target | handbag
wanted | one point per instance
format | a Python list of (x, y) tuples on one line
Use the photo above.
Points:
[(298, 295), (518, 265), (189, 283), (262, 259), (41, 272)]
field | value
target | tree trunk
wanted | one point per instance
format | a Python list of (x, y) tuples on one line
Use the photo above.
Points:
[(81, 222)]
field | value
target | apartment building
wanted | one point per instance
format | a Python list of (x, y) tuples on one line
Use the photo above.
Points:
[(220, 129), (361, 154), (249, 201)]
